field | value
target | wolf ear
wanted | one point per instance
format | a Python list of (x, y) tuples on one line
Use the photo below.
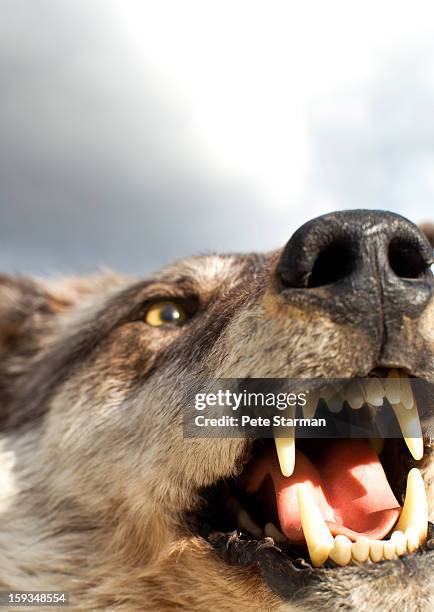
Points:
[(27, 311), (28, 307), (29, 317), (25, 308), (428, 230)]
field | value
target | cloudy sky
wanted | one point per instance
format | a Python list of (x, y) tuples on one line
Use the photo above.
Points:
[(133, 133)]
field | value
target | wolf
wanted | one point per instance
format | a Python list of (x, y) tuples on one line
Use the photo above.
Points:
[(103, 497)]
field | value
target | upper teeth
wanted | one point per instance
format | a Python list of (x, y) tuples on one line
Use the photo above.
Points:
[(374, 392), (286, 448), (286, 454), (410, 426), (354, 395), (398, 391), (392, 387)]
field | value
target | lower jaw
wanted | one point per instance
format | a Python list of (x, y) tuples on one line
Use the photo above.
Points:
[(410, 535), (286, 572)]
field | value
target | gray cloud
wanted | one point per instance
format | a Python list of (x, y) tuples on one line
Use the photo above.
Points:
[(99, 172), (382, 156), (99, 165)]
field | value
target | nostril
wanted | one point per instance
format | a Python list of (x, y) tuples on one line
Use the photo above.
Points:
[(351, 251), (334, 263), (406, 260)]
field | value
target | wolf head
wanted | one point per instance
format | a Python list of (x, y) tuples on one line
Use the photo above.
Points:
[(102, 493)]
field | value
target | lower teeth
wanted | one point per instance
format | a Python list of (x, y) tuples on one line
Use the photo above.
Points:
[(344, 551), (410, 530)]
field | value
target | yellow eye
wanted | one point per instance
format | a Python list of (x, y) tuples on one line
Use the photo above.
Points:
[(162, 313)]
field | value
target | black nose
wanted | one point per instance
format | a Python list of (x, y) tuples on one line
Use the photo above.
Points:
[(358, 249)]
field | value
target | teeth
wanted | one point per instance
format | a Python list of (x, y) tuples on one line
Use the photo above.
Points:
[(410, 531), (335, 403), (374, 392), (243, 518), (400, 542), (311, 405), (271, 531), (341, 551), (328, 392), (286, 454), (392, 387), (354, 395), (285, 447), (246, 523), (360, 549), (412, 535), (344, 551), (410, 426), (397, 389), (376, 550), (415, 510), (412, 526), (389, 550), (319, 540), (407, 397)]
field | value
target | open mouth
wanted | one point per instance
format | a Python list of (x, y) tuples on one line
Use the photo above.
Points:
[(327, 503)]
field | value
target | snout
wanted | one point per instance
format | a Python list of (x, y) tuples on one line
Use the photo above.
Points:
[(359, 247), (370, 268)]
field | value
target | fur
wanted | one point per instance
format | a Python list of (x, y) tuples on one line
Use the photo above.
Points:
[(96, 477)]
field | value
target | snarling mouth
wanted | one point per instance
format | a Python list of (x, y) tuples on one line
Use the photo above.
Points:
[(327, 503)]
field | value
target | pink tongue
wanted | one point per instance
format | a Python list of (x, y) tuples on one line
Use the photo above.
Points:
[(348, 483)]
